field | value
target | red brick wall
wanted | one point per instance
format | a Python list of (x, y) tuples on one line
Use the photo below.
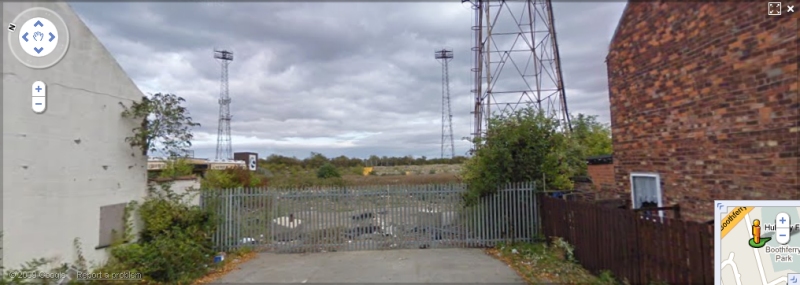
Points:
[(705, 94), (602, 176)]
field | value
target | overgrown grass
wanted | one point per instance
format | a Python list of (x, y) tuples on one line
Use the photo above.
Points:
[(539, 263)]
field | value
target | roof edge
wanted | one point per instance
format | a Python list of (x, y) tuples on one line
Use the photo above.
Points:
[(616, 30), (600, 159)]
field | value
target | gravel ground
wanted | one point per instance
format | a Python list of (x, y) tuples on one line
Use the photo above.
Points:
[(401, 227)]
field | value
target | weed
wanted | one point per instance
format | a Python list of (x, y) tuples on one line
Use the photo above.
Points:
[(538, 263), (567, 248), (47, 270), (605, 277)]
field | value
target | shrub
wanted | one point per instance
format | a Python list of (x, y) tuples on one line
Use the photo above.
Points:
[(526, 146), (174, 244), (232, 178), (327, 170), (177, 168)]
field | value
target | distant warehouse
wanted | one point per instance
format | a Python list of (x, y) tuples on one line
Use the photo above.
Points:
[(200, 165)]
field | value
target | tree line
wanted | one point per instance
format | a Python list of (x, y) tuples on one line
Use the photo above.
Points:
[(317, 160)]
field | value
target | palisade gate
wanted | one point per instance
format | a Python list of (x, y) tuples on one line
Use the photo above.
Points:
[(319, 219)]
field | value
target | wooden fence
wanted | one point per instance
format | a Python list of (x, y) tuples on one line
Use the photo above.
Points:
[(636, 249)]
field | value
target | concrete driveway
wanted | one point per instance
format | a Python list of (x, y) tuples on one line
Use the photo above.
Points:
[(389, 266)]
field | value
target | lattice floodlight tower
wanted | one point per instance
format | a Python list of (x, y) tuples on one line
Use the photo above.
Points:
[(516, 61), (444, 56), (224, 149)]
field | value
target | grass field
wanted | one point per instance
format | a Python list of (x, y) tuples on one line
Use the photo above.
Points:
[(288, 177)]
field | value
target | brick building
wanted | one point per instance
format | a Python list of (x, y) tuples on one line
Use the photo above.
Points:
[(704, 104), (601, 171)]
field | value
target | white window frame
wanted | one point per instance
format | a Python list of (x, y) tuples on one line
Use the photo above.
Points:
[(659, 193)]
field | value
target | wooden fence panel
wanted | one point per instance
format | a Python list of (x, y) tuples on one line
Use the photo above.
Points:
[(644, 253), (584, 234), (616, 241), (676, 256), (707, 260), (634, 248)]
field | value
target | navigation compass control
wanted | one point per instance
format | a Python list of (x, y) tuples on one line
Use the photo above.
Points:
[(41, 40)]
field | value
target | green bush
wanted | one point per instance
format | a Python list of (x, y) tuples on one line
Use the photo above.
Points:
[(327, 170), (174, 244), (232, 178), (525, 146), (177, 168), (593, 136)]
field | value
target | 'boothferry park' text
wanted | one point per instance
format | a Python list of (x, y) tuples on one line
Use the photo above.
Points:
[(782, 249), (783, 253)]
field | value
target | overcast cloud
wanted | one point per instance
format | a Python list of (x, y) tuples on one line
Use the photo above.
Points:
[(338, 78)]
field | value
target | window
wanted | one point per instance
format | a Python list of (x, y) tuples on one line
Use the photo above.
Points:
[(646, 191), (112, 224)]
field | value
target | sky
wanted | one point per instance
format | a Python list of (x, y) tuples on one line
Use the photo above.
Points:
[(346, 78)]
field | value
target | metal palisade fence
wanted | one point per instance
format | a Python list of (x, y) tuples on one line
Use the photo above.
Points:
[(321, 219)]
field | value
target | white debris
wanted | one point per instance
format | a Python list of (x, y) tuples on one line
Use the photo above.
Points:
[(287, 222), (287, 228)]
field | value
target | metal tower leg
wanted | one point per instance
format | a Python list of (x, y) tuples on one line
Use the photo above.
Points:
[(516, 62)]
